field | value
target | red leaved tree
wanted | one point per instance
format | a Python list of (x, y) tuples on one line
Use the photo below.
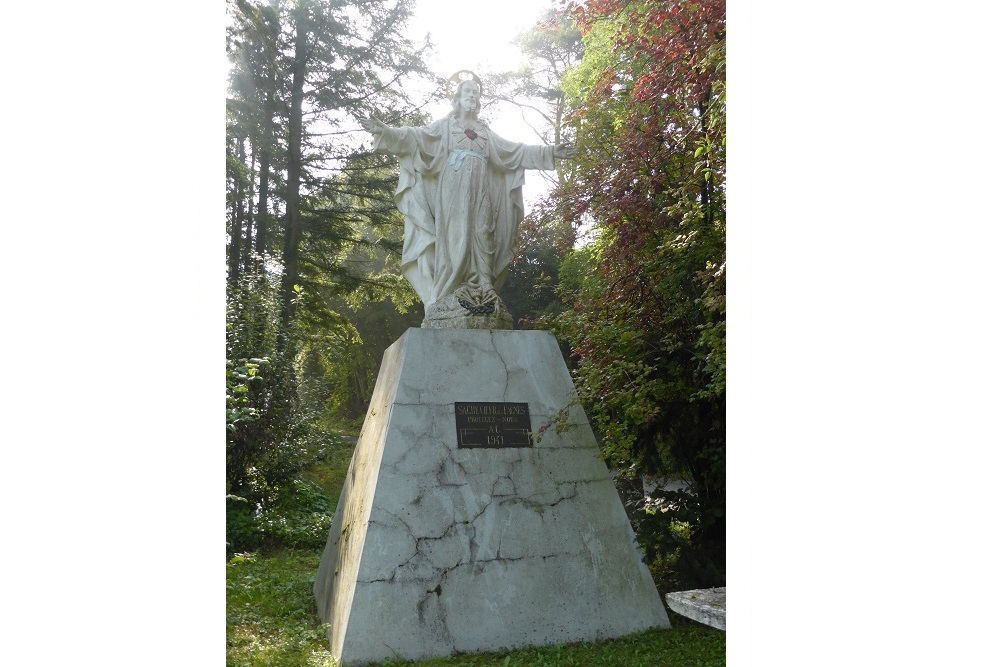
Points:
[(647, 316)]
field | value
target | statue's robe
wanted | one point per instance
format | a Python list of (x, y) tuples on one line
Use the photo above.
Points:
[(460, 194)]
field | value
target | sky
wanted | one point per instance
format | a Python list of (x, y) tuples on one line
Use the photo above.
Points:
[(479, 36), (475, 36), (474, 33)]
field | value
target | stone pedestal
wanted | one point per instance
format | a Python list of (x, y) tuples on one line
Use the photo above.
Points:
[(437, 549)]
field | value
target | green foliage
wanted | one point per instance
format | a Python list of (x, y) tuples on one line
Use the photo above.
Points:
[(308, 208), (531, 290), (329, 474), (646, 299), (270, 435), (379, 324), (299, 519), (551, 47), (355, 302), (268, 439), (242, 532), (298, 515), (667, 529), (240, 375), (351, 248)]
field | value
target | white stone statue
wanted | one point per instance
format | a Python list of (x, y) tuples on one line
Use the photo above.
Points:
[(460, 194)]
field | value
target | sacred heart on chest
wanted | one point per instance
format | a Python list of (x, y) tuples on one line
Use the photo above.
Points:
[(471, 134)]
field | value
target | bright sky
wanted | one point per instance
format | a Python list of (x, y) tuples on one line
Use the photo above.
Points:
[(475, 36), (478, 35)]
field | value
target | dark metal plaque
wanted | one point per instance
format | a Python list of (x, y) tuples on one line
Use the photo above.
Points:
[(492, 425)]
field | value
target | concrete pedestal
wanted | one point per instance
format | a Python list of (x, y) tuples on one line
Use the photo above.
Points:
[(437, 549)]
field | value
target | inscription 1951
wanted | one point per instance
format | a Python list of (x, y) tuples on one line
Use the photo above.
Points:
[(493, 425)]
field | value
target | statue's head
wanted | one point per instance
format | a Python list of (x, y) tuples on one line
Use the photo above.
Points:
[(466, 97), (467, 93)]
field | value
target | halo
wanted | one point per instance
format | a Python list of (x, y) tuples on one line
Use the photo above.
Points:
[(456, 79)]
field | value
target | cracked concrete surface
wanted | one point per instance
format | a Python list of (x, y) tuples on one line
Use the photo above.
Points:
[(436, 550)]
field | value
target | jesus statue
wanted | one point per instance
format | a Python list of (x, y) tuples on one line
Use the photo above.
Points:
[(460, 195)]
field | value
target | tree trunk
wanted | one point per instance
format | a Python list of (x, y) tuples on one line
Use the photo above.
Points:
[(236, 225), (249, 231), (293, 225), (263, 218)]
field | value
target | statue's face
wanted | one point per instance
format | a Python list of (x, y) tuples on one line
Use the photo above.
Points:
[(468, 96)]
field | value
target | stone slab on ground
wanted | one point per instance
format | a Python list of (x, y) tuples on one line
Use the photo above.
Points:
[(705, 605), (437, 549)]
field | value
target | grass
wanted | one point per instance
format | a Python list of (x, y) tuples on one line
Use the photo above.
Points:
[(329, 474), (270, 613), (680, 647), (271, 618)]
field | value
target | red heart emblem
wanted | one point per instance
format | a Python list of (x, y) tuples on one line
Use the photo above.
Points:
[(471, 134)]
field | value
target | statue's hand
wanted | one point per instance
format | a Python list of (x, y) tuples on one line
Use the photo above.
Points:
[(564, 151), (373, 125)]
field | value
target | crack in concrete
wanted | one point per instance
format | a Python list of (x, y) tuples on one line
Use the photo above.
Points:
[(506, 369), (469, 559), (409, 528), (478, 565), (513, 487), (538, 507)]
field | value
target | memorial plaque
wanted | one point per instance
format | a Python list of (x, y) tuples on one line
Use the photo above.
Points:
[(490, 425)]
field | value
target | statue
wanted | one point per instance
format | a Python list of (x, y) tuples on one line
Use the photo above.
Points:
[(460, 195)]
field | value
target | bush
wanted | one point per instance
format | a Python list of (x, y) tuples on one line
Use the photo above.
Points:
[(672, 536), (300, 518), (241, 526)]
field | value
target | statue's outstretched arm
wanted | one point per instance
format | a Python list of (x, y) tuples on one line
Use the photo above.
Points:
[(373, 125), (399, 141)]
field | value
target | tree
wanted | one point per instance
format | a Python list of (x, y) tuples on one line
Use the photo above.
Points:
[(259, 90), (531, 291), (551, 48), (647, 316), (301, 71), (339, 51)]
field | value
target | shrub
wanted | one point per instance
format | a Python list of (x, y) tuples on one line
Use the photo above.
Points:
[(671, 534), (300, 518)]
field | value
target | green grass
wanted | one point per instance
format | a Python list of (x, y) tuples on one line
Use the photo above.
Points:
[(330, 473), (680, 647), (270, 613)]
